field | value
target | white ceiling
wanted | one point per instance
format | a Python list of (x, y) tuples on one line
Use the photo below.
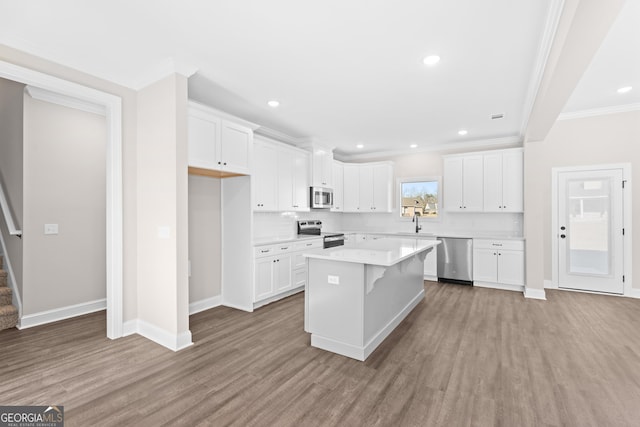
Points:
[(617, 64), (345, 72)]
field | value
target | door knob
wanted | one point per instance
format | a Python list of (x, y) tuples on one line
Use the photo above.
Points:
[(562, 236), (563, 228)]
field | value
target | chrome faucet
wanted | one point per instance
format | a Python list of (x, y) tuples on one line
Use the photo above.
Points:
[(415, 219)]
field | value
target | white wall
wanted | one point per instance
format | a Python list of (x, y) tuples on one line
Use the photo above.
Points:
[(205, 252), (611, 138), (64, 184), (11, 161), (163, 300)]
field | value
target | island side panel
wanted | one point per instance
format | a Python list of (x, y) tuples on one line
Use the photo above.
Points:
[(391, 297), (336, 310)]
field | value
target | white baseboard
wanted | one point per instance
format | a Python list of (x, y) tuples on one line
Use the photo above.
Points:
[(205, 304), (49, 316), (130, 327), (165, 338), (634, 293), (238, 307), (277, 297), (548, 284), (502, 286), (534, 293)]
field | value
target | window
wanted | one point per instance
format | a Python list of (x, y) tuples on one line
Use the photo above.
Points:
[(419, 196)]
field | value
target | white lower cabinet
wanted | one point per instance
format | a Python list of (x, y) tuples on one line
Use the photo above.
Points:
[(280, 269), (498, 263)]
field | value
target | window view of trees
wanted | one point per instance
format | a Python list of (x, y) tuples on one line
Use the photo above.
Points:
[(419, 198)]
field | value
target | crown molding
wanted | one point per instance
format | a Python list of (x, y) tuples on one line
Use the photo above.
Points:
[(599, 111), (503, 142), (221, 114), (164, 69), (278, 136), (546, 43), (65, 101)]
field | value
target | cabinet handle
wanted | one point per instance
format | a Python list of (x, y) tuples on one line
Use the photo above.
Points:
[(309, 244), (219, 162), (225, 163), (285, 248), (495, 253)]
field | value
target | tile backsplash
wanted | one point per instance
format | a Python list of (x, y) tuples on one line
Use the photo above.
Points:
[(283, 224)]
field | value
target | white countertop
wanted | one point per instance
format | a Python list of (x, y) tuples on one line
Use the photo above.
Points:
[(473, 234), (384, 252), (283, 239)]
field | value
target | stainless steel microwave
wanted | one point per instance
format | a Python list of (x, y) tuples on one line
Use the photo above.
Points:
[(321, 198)]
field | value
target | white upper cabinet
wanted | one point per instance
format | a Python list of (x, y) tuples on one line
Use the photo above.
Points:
[(265, 177), (204, 136), (235, 148), (338, 187), (489, 181), (293, 180), (367, 187), (382, 185), (216, 143), (351, 188), (503, 181), (463, 183), (375, 187), (322, 167), (280, 177)]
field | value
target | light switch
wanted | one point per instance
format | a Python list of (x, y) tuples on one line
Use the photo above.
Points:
[(334, 280), (51, 229)]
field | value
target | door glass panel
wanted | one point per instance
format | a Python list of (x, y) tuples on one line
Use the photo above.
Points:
[(589, 226)]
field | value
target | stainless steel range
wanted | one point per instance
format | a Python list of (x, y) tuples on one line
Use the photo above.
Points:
[(313, 227)]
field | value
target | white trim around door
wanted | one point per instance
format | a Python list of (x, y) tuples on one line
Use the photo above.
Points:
[(627, 223), (114, 226)]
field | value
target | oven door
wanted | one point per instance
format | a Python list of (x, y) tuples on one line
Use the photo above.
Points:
[(333, 241)]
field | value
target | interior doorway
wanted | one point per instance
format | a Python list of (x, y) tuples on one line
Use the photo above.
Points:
[(589, 228), (112, 106)]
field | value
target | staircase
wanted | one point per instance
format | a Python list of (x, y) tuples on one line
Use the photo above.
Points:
[(8, 313)]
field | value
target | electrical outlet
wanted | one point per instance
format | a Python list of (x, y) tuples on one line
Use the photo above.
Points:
[(334, 280)]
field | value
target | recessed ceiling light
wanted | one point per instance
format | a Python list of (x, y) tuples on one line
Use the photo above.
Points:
[(414, 146), (273, 103), (625, 89), (431, 60), (462, 132), (360, 146)]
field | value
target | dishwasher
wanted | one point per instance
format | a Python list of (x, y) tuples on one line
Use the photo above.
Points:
[(455, 260)]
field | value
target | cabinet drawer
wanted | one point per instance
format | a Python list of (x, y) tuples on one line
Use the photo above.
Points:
[(514, 245), (307, 244), (275, 249), (263, 251)]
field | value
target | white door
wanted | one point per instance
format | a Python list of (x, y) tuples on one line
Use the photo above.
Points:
[(590, 230)]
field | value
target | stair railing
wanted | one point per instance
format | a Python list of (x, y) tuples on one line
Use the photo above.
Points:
[(6, 212)]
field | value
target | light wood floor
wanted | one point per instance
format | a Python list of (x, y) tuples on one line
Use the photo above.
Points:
[(464, 356)]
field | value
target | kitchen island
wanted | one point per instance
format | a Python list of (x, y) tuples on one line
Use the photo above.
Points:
[(357, 295)]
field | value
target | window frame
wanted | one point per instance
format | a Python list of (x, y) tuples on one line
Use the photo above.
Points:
[(428, 178)]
